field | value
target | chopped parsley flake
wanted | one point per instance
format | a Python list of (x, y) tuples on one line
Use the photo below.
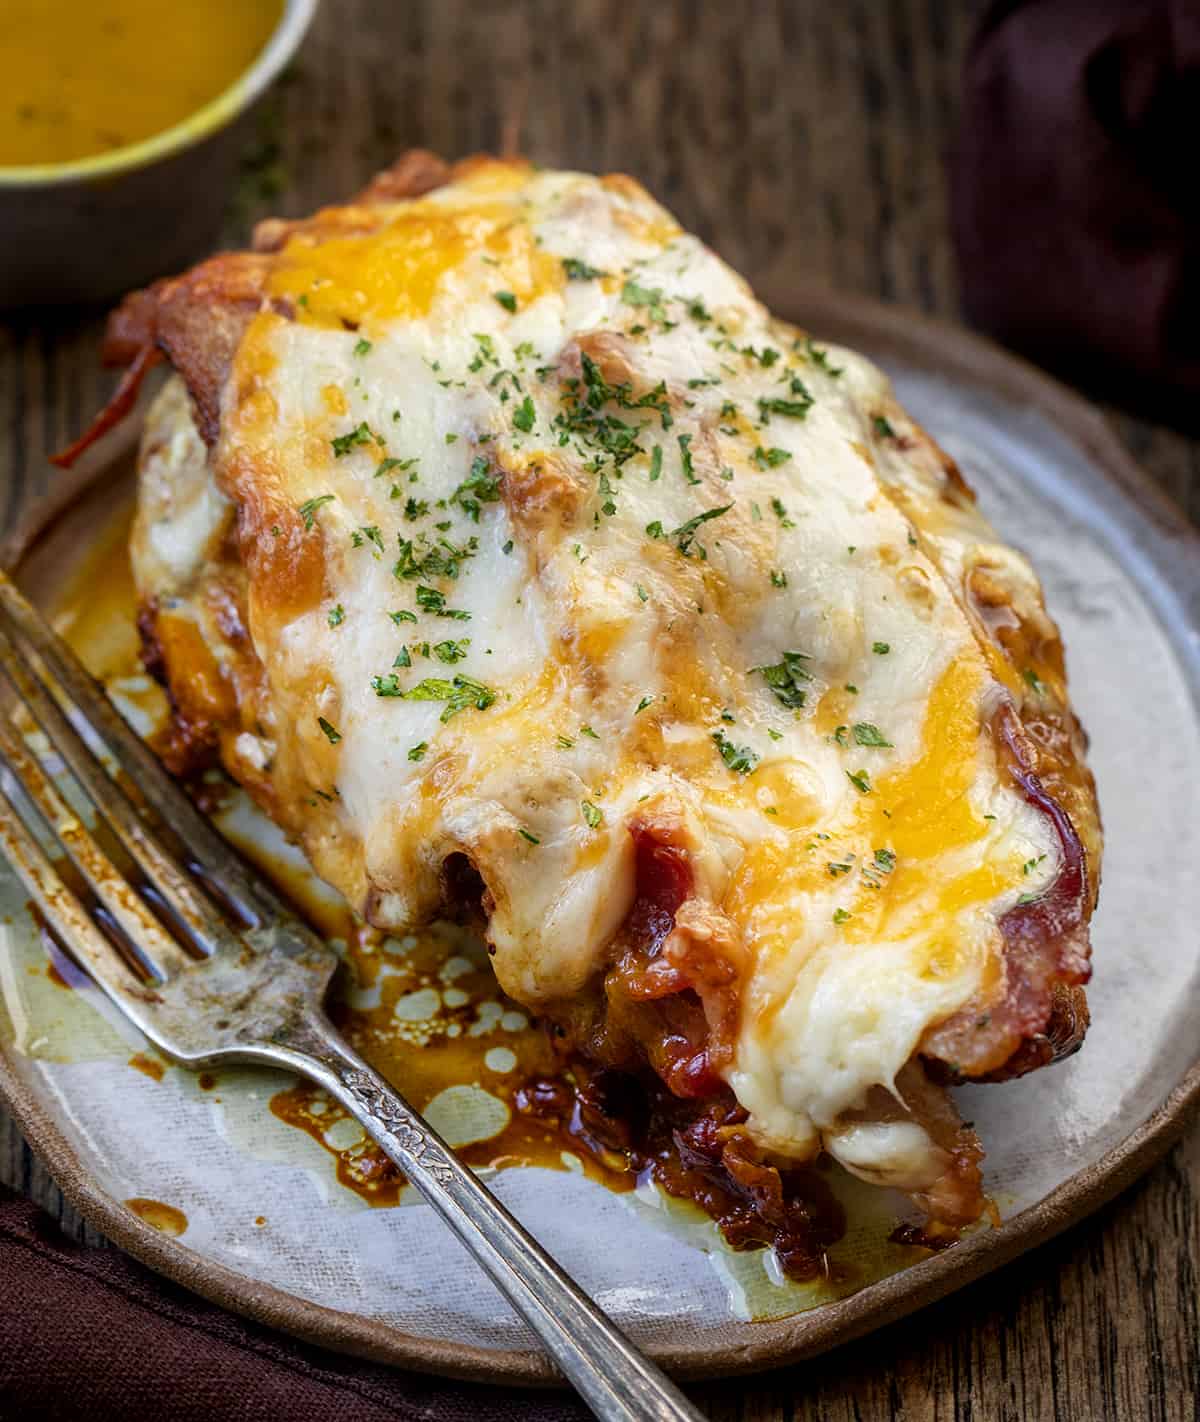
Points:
[(369, 534), (337, 615), (840, 915), (656, 463), (883, 427), (524, 415), (360, 434), (404, 656), (655, 529), (685, 534), (402, 616), (429, 599), (458, 694), (1033, 680), (481, 486), (738, 758), (795, 409), (881, 649), (421, 559), (782, 514), (532, 838), (593, 815), (385, 466), (565, 743), (868, 735), (651, 297), (839, 867), (587, 731), (642, 593), (1031, 864), (608, 505), (766, 357), (821, 358), (685, 454), (885, 859), (310, 507), (642, 704), (506, 299), (785, 678), (575, 270), (331, 734), (770, 458), (417, 752), (451, 652), (778, 579), (860, 780), (607, 435), (362, 347)]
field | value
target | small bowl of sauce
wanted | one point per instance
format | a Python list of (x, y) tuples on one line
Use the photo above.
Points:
[(120, 134)]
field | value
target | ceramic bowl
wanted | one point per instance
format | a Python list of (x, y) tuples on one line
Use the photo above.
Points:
[(89, 230)]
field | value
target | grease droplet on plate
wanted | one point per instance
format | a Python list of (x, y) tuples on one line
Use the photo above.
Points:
[(164, 1218)]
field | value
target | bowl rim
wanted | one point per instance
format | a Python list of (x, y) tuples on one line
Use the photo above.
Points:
[(285, 40)]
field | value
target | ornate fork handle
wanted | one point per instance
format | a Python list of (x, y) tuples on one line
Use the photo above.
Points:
[(615, 1380)]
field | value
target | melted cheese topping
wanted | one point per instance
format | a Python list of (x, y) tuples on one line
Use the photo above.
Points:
[(597, 540)]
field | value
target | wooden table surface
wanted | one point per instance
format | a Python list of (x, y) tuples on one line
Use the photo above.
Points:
[(798, 138)]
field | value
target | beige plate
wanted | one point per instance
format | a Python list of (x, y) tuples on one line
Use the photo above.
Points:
[(1122, 569)]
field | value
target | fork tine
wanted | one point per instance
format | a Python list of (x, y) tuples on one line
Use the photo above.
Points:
[(214, 859), (164, 955), (61, 908), (165, 875)]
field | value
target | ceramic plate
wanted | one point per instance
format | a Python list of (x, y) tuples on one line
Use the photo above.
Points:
[(207, 1183)]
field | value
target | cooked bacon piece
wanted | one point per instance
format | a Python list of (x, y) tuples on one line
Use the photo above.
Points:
[(1046, 954), (123, 399)]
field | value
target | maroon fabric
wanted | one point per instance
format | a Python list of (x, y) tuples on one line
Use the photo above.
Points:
[(1076, 207), (87, 1333)]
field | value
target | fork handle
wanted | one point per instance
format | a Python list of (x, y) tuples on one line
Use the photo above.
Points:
[(613, 1378)]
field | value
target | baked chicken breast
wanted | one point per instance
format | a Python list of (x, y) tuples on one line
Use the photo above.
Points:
[(521, 564)]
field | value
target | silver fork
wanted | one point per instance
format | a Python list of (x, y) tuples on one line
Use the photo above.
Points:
[(238, 977)]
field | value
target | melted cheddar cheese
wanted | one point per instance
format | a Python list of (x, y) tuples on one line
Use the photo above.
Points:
[(548, 528)]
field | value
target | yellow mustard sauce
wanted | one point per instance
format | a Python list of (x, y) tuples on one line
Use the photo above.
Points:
[(84, 77)]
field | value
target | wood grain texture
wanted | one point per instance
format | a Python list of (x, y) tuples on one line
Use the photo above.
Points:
[(798, 138)]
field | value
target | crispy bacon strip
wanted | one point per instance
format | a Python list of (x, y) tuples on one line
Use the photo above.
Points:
[(1040, 1012), (124, 398)]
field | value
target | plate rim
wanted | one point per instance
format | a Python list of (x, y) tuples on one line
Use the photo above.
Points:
[(937, 344)]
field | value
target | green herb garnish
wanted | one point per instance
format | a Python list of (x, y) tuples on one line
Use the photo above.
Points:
[(785, 678), (310, 507), (360, 434), (868, 735), (738, 758)]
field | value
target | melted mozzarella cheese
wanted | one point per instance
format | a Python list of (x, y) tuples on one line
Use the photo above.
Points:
[(611, 552)]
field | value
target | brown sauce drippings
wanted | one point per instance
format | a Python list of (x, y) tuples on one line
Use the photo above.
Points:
[(148, 1066)]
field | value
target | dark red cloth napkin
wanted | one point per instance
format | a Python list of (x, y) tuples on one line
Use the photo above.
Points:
[(89, 1334), (1076, 207)]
